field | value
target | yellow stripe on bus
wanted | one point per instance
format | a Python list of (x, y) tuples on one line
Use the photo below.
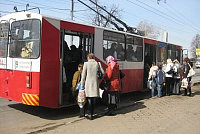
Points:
[(37, 97), (24, 99), (27, 95), (34, 100), (30, 99)]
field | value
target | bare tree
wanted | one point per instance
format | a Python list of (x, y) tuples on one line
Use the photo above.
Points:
[(149, 29), (101, 21), (194, 45)]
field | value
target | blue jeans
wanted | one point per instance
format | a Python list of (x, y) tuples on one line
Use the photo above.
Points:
[(153, 88), (159, 88)]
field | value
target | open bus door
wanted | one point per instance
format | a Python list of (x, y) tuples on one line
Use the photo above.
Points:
[(75, 46), (150, 47)]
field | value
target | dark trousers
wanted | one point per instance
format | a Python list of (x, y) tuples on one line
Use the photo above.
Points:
[(91, 105), (82, 112), (111, 107), (190, 91), (164, 89), (169, 83), (176, 86)]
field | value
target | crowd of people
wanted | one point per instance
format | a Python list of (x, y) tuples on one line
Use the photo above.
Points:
[(167, 77)]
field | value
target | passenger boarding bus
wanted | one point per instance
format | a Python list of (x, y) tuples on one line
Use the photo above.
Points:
[(37, 52)]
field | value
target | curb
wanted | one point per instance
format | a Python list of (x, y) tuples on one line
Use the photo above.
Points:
[(195, 83)]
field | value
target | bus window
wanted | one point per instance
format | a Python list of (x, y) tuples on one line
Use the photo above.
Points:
[(179, 55), (25, 39), (174, 52), (162, 52), (82, 41), (171, 52), (114, 44), (134, 49), (3, 39), (87, 45)]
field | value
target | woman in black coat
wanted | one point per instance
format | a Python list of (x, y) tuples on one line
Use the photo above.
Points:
[(186, 69)]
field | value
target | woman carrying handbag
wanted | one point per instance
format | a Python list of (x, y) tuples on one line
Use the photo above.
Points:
[(111, 96), (90, 82), (186, 69)]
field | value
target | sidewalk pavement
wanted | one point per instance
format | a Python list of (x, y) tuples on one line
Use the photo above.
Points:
[(139, 113), (175, 114), (195, 80)]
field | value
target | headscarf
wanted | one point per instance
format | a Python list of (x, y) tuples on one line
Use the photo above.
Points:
[(111, 60)]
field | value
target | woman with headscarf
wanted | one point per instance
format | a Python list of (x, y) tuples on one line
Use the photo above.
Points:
[(113, 74)]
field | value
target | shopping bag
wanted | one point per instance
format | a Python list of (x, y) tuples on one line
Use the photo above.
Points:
[(81, 98), (78, 87), (184, 83), (149, 84), (191, 72)]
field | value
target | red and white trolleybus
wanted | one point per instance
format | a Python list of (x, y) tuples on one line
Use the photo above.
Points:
[(35, 51)]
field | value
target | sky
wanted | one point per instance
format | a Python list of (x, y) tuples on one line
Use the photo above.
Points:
[(180, 18)]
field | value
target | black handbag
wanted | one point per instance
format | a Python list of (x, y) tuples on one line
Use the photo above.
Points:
[(99, 73), (105, 84), (171, 71), (121, 74)]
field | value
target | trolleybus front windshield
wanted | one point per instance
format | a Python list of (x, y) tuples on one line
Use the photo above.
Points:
[(25, 39), (3, 39)]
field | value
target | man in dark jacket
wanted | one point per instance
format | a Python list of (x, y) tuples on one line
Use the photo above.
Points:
[(160, 79)]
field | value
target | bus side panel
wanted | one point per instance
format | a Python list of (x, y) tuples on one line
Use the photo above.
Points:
[(4, 92), (150, 41), (133, 80), (13, 85), (50, 65), (76, 27), (17, 86)]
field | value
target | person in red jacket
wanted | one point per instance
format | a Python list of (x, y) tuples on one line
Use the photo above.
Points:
[(113, 74)]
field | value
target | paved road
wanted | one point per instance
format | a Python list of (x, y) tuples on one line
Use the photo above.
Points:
[(137, 113), (196, 78), (167, 115)]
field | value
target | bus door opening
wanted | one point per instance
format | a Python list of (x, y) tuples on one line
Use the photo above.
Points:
[(150, 56), (75, 47)]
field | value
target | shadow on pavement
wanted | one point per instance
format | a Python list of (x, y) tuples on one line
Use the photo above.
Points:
[(130, 108), (47, 113), (195, 93), (129, 102)]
